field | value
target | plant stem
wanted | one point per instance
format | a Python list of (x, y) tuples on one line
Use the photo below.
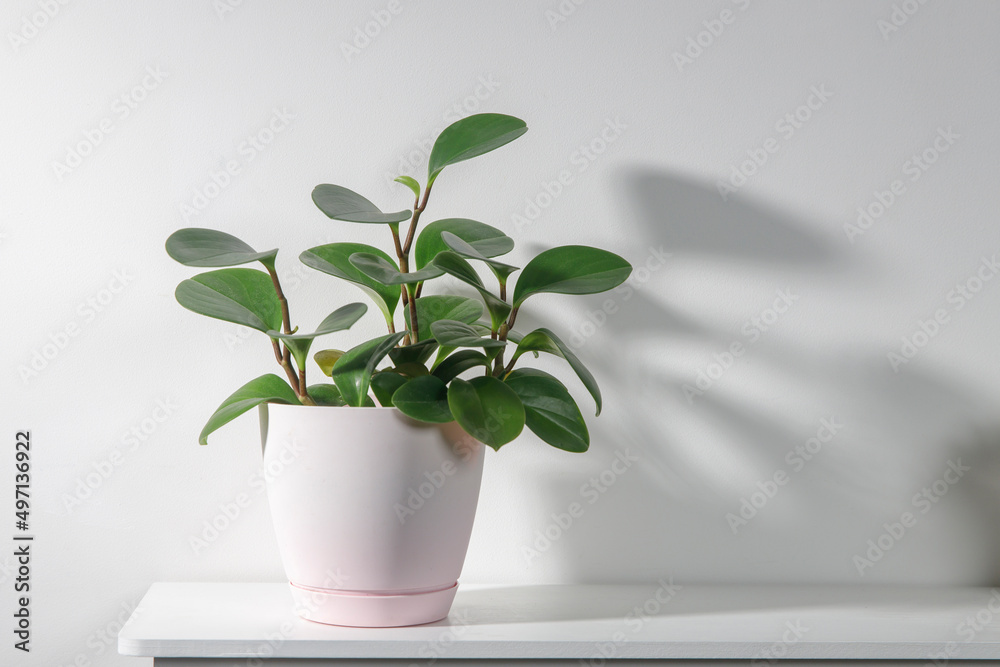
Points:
[(414, 325), (284, 358), (303, 393), (285, 318), (286, 364), (417, 210)]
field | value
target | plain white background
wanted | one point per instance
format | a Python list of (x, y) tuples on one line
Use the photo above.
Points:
[(642, 108)]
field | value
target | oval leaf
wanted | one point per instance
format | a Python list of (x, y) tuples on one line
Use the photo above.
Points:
[(411, 183), (340, 319), (487, 409), (207, 247), (460, 334), (240, 296), (340, 203), (385, 384), (436, 307), (326, 394), (325, 359), (416, 353), (471, 137), (453, 365), (265, 389), (353, 371), (571, 269), (334, 259), (549, 410), (425, 399), (386, 273), (469, 251), (451, 263), (488, 241), (543, 340)]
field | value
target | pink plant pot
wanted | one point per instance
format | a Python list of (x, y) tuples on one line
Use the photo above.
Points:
[(372, 511)]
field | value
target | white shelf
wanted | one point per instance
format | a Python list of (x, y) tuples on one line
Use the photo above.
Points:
[(227, 620)]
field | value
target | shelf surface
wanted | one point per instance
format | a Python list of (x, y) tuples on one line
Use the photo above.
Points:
[(217, 620)]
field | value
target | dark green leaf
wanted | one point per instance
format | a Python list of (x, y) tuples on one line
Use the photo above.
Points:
[(385, 384), (453, 365), (469, 251), (451, 263), (326, 394), (241, 296), (460, 334), (436, 307), (425, 399), (549, 410), (334, 259), (385, 272), (572, 269), (487, 409), (207, 247), (488, 241), (265, 389), (471, 137), (353, 371), (340, 319), (543, 340), (416, 353), (340, 203)]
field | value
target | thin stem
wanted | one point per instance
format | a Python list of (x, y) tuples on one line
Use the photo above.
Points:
[(303, 393), (417, 210), (510, 323), (285, 318), (414, 325), (284, 363)]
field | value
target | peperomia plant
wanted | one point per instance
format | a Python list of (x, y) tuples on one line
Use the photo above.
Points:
[(440, 338)]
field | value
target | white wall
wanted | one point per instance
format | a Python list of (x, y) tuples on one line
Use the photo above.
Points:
[(682, 127)]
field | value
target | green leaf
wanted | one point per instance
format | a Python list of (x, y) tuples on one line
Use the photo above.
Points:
[(410, 183), (353, 371), (436, 307), (451, 263), (460, 334), (571, 269), (425, 399), (488, 241), (385, 384), (340, 319), (241, 296), (417, 353), (487, 409), (471, 137), (325, 359), (453, 365), (549, 410), (543, 340), (469, 251), (342, 204), (207, 247), (326, 394), (385, 272), (265, 389), (334, 259)]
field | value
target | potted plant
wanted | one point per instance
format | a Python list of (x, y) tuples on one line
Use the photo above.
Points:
[(381, 465)]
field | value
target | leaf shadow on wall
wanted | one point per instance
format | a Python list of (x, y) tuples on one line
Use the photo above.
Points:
[(893, 432)]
